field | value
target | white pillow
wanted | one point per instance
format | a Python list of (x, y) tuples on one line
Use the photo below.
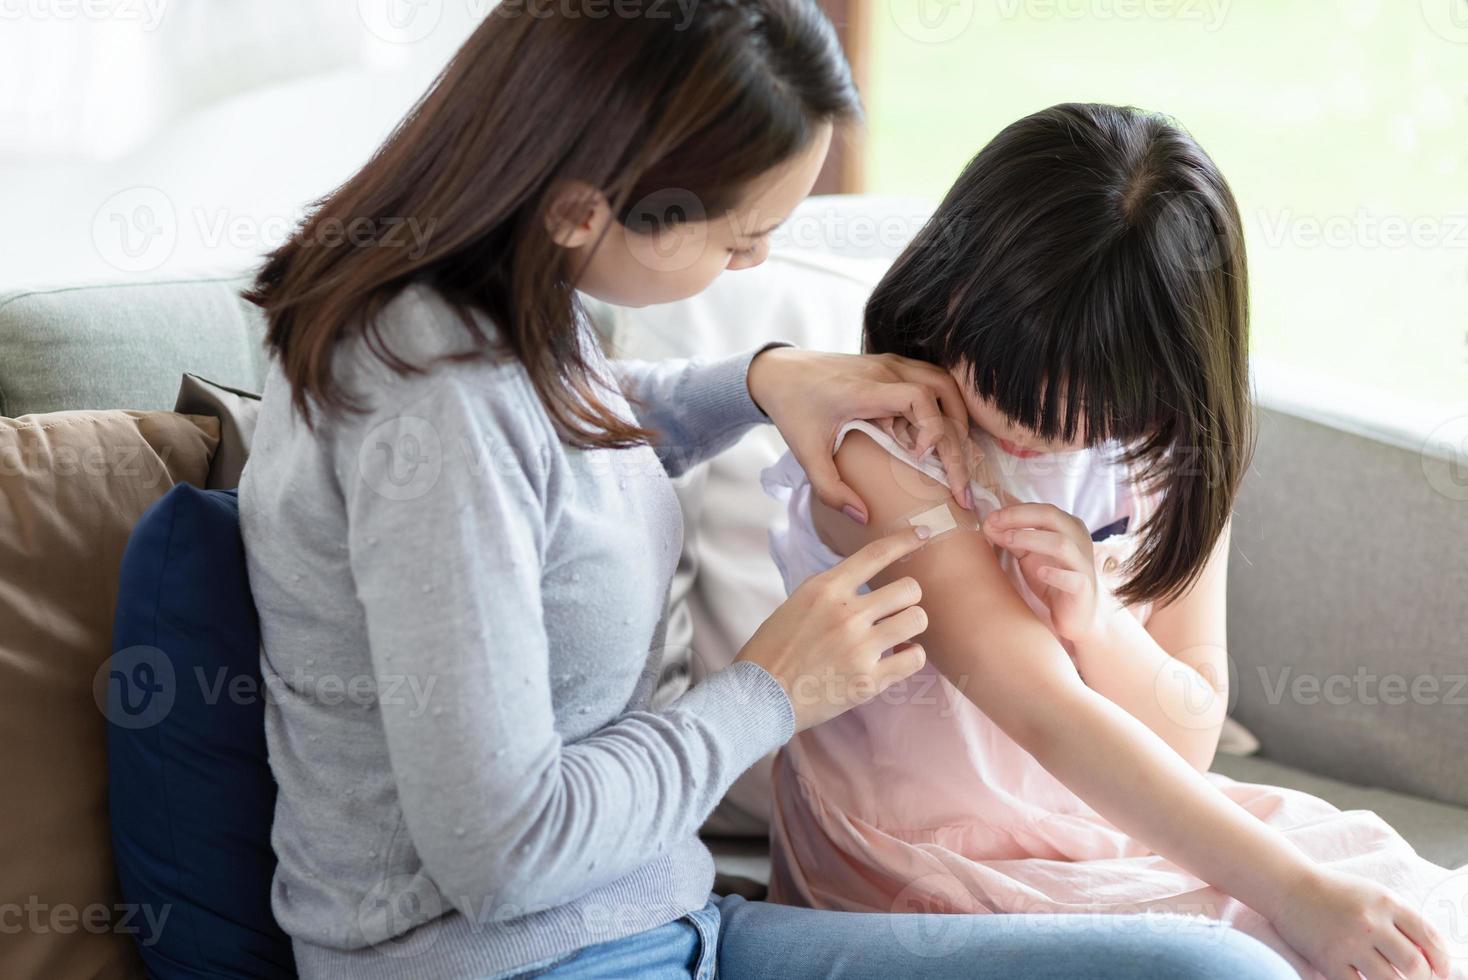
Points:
[(727, 584)]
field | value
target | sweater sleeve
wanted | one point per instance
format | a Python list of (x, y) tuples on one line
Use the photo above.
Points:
[(446, 541), (698, 407)]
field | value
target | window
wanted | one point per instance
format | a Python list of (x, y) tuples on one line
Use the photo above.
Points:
[(1339, 125)]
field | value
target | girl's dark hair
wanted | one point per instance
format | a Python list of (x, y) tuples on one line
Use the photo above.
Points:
[(1087, 272), (696, 100)]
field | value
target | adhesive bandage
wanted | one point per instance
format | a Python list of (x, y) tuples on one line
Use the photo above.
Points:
[(941, 519), (938, 520)]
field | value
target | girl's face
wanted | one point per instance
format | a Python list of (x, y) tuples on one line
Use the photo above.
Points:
[(631, 268), (1013, 439)]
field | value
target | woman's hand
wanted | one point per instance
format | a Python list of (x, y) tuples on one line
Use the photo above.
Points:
[(810, 395), (1344, 924), (1055, 556), (825, 643)]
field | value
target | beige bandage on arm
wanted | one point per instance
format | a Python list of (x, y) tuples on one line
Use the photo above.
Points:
[(938, 520)]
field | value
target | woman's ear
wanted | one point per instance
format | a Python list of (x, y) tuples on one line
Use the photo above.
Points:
[(577, 214)]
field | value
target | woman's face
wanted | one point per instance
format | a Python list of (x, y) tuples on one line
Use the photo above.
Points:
[(1013, 439), (631, 268)]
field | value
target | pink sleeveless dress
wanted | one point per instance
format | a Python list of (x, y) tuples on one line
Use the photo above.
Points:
[(917, 802)]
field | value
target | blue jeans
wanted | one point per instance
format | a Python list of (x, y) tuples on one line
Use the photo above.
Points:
[(757, 940)]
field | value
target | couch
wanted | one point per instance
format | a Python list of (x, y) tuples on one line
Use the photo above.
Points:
[(1348, 626)]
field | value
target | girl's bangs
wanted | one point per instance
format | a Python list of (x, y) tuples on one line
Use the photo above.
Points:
[(1059, 383)]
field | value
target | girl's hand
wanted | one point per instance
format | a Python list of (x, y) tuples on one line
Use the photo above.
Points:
[(1344, 924), (1055, 556), (810, 395), (825, 643)]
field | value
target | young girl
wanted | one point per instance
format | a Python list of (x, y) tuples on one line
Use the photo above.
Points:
[(1084, 281)]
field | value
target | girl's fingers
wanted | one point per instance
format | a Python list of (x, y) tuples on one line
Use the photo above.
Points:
[(1402, 954), (1030, 515), (892, 598), (1063, 579), (1425, 936), (1052, 543), (1374, 966), (899, 628)]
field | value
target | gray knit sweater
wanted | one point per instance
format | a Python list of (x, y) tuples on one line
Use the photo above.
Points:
[(462, 622)]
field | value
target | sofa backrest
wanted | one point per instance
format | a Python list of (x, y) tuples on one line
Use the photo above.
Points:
[(1347, 575), (124, 345), (1348, 607)]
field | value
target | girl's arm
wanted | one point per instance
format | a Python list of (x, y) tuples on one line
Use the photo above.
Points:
[(985, 640), (1171, 675)]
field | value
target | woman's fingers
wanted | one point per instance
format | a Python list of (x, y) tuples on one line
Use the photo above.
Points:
[(907, 659), (955, 466), (952, 439), (892, 598), (863, 565), (829, 488), (939, 424), (899, 628)]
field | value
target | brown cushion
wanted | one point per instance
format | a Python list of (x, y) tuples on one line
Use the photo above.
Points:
[(72, 485)]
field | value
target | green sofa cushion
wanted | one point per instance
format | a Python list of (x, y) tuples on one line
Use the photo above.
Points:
[(124, 345)]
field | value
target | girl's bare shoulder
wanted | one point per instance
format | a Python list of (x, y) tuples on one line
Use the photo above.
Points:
[(895, 493)]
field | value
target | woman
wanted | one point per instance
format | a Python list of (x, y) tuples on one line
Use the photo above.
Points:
[(461, 531)]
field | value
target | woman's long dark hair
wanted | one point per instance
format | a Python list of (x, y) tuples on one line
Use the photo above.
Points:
[(695, 99), (1087, 271)]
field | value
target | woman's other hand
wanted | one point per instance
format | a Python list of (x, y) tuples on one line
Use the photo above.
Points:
[(825, 643), (809, 395)]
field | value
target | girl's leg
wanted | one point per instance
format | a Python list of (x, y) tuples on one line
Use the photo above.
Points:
[(759, 940)]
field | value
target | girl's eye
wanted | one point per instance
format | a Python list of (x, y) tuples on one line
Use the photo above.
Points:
[(742, 251)]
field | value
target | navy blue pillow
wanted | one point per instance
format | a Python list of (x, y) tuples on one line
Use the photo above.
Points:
[(190, 790)]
